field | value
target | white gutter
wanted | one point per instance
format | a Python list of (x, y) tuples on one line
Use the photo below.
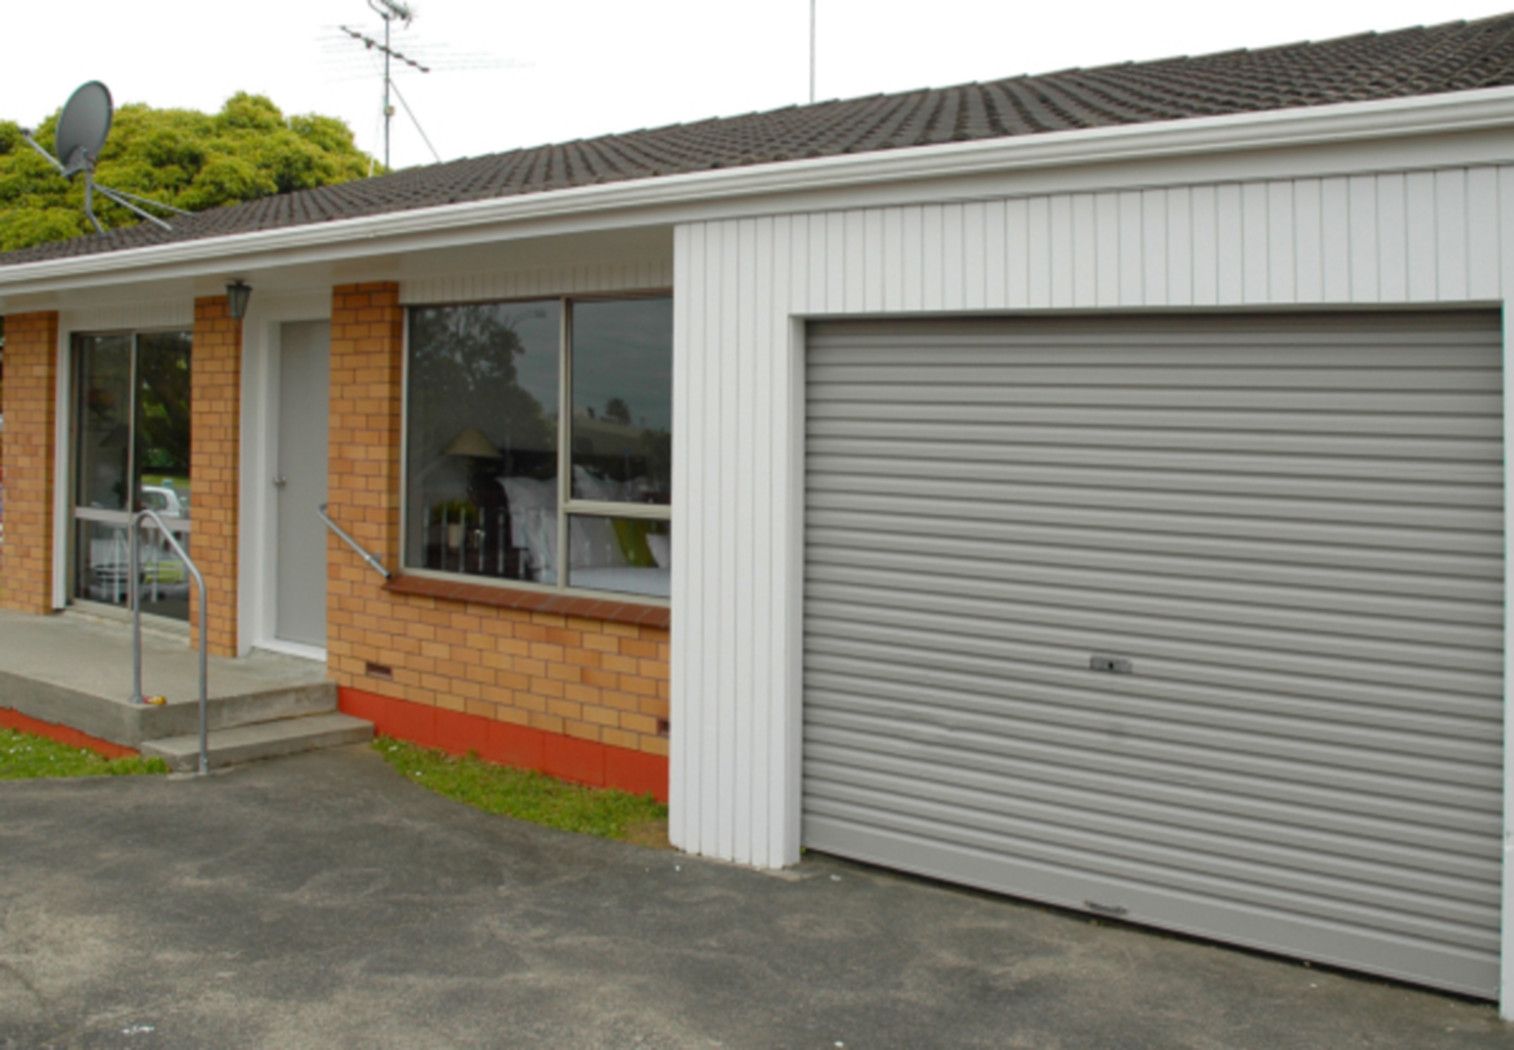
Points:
[(1491, 108)]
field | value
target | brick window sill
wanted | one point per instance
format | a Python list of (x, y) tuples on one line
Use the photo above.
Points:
[(532, 601)]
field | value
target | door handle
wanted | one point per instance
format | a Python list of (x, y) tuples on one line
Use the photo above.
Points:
[(279, 481)]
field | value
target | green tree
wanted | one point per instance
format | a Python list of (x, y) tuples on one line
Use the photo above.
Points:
[(182, 157), (617, 411)]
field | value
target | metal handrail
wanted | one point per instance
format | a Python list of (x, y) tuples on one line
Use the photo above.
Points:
[(135, 585), (362, 552)]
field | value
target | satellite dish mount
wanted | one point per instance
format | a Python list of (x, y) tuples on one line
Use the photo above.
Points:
[(81, 132)]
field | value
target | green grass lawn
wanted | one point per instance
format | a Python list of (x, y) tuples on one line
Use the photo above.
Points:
[(528, 795), (24, 757)]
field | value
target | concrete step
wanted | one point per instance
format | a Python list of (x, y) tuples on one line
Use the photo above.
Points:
[(248, 743), (181, 715)]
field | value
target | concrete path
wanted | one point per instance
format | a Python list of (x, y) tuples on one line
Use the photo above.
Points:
[(76, 670), (322, 901), (93, 657)]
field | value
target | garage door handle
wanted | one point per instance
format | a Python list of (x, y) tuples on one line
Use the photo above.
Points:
[(1112, 664)]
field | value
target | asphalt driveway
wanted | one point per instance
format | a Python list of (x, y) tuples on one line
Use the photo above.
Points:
[(322, 901)]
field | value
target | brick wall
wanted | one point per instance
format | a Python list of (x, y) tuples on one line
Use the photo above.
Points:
[(2, 430), (31, 380), (2, 436), (577, 694), (215, 399)]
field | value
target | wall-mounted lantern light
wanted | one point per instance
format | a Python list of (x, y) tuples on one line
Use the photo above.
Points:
[(237, 294)]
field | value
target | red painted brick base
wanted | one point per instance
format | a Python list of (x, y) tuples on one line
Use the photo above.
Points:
[(565, 757), (62, 734)]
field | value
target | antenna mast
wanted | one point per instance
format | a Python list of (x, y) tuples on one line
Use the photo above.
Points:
[(389, 11), (812, 52)]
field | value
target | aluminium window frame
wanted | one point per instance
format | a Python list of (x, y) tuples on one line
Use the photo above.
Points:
[(567, 506)]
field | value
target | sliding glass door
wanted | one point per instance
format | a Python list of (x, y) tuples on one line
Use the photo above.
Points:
[(131, 450)]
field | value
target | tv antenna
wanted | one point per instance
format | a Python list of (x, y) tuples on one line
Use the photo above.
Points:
[(812, 52), (390, 11), (77, 141)]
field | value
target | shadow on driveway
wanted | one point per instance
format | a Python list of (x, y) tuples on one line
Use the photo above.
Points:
[(323, 901)]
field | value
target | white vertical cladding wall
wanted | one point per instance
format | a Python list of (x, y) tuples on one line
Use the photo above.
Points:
[(740, 286), (732, 768)]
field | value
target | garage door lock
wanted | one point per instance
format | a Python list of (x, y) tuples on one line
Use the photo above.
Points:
[(1112, 664)]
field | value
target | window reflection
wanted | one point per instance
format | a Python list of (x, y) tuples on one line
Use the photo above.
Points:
[(621, 555), (103, 422), (482, 439), (103, 568), (161, 455), (623, 400)]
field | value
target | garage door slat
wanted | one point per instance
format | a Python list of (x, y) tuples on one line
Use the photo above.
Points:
[(1147, 835), (849, 753), (926, 495), (1374, 621), (1148, 771), (1200, 747), (924, 515), (874, 419), (977, 473), (1153, 652), (1478, 447), (1216, 876), (1128, 712), (1180, 701), (1028, 457), (1406, 572), (1402, 586)]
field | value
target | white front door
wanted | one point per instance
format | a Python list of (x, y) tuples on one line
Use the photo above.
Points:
[(298, 485)]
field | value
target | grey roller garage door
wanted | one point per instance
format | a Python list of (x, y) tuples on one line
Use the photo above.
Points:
[(1279, 538)]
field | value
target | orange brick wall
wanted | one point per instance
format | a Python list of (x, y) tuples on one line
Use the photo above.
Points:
[(215, 397), (31, 382), (581, 678)]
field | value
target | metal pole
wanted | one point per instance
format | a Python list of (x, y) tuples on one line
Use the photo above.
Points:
[(89, 200), (812, 51), (199, 580), (388, 110), (204, 674), (136, 610), (362, 551)]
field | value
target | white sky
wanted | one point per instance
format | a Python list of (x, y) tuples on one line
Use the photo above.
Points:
[(574, 68)]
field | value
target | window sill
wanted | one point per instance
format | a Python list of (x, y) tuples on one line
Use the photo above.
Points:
[(532, 600)]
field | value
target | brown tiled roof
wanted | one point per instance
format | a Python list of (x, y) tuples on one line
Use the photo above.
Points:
[(1457, 56)]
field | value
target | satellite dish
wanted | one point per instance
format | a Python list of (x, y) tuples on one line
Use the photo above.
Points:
[(82, 127)]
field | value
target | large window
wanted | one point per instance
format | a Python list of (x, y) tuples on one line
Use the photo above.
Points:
[(131, 451), (538, 442)]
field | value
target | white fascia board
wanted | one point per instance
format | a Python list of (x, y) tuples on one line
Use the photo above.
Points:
[(670, 198)]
